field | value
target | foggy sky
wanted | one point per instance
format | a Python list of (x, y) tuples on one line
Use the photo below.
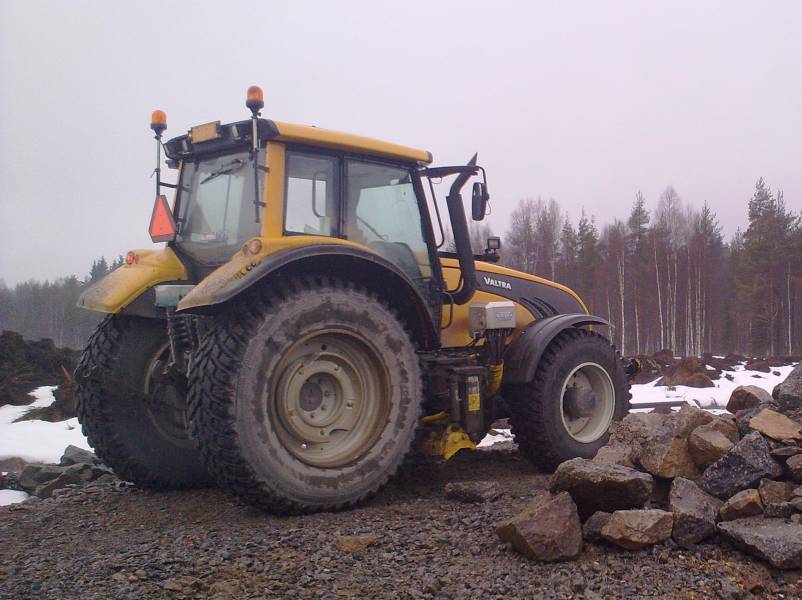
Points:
[(583, 102)]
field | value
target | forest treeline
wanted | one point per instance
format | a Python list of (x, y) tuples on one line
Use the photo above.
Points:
[(666, 278), (663, 276), (48, 310)]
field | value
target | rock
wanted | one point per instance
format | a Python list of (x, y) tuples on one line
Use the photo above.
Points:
[(473, 492), (598, 486), (75, 455), (774, 491), (775, 425), (743, 504), (547, 529), (758, 364), (747, 396), (796, 503), (785, 452), (77, 474), (633, 431), (616, 455), (635, 529), (742, 467), (707, 443), (695, 512), (33, 476), (742, 418), (355, 543), (690, 371), (794, 467), (12, 464), (787, 395), (667, 454), (780, 510), (183, 584), (774, 540), (591, 530)]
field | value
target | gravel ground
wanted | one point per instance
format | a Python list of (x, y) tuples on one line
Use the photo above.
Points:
[(106, 542)]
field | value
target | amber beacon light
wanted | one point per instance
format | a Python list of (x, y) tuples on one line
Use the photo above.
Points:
[(255, 100), (158, 121)]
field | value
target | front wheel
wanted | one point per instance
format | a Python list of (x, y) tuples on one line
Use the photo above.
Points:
[(305, 398), (565, 412)]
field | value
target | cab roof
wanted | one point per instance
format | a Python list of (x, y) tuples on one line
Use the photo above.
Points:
[(238, 134)]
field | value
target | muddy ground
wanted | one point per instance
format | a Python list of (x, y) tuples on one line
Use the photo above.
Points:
[(110, 542)]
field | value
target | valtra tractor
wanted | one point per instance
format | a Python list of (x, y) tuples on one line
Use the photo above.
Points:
[(303, 330)]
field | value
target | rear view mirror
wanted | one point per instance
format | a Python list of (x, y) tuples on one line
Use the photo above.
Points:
[(479, 199)]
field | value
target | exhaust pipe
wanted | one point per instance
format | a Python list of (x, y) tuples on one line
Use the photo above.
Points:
[(462, 238)]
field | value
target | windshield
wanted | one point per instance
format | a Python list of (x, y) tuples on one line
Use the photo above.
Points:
[(216, 206)]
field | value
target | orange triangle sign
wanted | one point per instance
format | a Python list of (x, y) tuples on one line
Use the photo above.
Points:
[(162, 224)]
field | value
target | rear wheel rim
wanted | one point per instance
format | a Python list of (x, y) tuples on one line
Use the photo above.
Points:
[(165, 406), (331, 398), (587, 421)]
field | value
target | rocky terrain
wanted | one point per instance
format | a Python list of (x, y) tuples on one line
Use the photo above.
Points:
[(680, 505)]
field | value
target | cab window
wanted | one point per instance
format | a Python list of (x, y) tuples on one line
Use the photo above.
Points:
[(382, 212), (311, 204)]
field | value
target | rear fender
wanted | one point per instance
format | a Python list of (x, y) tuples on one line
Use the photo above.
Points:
[(302, 255), (524, 353), (119, 290)]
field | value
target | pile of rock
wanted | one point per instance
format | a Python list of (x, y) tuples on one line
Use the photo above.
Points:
[(688, 476), (77, 468)]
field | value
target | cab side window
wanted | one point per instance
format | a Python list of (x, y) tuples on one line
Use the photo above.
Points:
[(383, 214), (311, 203)]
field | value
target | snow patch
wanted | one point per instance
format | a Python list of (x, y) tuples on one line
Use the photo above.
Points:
[(37, 441), (11, 497)]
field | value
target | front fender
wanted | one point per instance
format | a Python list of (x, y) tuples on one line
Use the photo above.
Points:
[(523, 355), (126, 283)]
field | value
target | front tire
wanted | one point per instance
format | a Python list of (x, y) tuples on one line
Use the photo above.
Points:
[(136, 425), (305, 398), (578, 390)]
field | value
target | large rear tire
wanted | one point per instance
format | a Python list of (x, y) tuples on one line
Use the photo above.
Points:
[(305, 398), (137, 426), (565, 412)]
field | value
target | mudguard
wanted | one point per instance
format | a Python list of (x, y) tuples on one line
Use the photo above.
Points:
[(119, 290), (336, 258), (523, 355)]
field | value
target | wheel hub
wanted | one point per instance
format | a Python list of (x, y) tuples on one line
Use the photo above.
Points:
[(588, 402), (328, 399)]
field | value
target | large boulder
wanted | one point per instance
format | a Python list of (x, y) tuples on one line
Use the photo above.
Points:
[(628, 436), (667, 454), (635, 529), (757, 364), (547, 529), (695, 512), (746, 503), (709, 442), (788, 394), (774, 540), (747, 396), (691, 372), (600, 486), (742, 467), (775, 425)]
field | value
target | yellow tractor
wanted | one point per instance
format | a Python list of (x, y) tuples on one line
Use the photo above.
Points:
[(303, 330)]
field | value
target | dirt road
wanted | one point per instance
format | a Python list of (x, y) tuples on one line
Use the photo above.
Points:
[(411, 542)]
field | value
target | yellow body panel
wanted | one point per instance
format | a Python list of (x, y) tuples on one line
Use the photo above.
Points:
[(208, 291), (305, 134), (457, 334), (126, 283)]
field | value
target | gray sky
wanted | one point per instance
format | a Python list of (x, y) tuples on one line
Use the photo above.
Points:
[(586, 102)]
